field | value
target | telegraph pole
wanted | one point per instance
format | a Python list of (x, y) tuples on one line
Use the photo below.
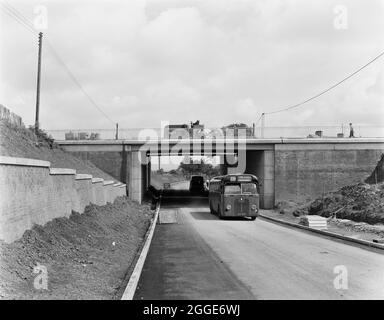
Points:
[(38, 84)]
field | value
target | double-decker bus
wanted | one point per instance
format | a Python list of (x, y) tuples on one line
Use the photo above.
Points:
[(234, 195)]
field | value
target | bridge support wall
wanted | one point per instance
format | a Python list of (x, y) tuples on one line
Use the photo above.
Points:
[(115, 163), (139, 173), (262, 164), (303, 172), (124, 166)]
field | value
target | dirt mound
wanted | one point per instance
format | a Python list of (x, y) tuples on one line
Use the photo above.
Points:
[(361, 203), (21, 142), (377, 174), (86, 255)]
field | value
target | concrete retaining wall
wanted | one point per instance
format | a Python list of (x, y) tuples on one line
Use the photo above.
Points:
[(303, 174), (83, 193), (33, 193)]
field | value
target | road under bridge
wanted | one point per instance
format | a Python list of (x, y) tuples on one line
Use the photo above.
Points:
[(196, 255)]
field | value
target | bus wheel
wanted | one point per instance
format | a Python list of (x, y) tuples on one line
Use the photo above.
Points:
[(252, 218)]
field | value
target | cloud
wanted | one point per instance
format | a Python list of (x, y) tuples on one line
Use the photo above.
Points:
[(219, 61), (377, 88), (246, 108)]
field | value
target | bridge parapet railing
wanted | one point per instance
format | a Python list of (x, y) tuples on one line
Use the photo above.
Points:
[(364, 131)]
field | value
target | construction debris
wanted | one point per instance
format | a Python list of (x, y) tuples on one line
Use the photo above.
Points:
[(316, 222)]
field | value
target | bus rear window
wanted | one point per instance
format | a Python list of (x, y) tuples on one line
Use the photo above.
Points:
[(232, 189), (249, 188)]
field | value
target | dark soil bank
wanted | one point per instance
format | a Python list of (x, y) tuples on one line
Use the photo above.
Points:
[(86, 256), (361, 203)]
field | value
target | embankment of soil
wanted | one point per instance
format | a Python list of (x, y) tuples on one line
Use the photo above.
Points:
[(23, 143), (86, 256), (360, 203)]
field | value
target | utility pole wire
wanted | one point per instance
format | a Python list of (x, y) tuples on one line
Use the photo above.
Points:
[(15, 11), (258, 120), (71, 75), (330, 88), (17, 18), (26, 23), (20, 18)]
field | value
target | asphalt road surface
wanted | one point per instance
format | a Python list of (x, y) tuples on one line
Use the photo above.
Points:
[(199, 256), (181, 185)]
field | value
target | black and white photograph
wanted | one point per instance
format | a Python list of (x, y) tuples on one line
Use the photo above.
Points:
[(183, 156)]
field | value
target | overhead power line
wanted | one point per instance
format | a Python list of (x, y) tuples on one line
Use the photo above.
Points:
[(328, 89), (19, 18), (259, 119), (22, 20), (69, 72)]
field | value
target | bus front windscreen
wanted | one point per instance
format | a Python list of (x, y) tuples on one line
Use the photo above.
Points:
[(248, 188), (232, 189)]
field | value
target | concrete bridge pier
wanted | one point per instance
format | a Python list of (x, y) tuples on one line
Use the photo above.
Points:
[(139, 171), (261, 163)]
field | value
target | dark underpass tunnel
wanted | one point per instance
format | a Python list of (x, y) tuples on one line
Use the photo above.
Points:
[(182, 179)]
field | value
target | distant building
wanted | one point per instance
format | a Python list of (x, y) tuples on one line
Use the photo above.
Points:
[(238, 129)]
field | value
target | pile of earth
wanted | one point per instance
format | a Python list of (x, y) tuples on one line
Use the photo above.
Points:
[(22, 142), (87, 256), (361, 202)]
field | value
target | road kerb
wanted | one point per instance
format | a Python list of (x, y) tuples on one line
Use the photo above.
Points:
[(130, 289), (326, 233)]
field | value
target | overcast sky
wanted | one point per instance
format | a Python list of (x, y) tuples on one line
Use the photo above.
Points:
[(219, 61)]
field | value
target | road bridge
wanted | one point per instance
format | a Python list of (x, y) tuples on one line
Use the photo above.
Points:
[(288, 169)]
